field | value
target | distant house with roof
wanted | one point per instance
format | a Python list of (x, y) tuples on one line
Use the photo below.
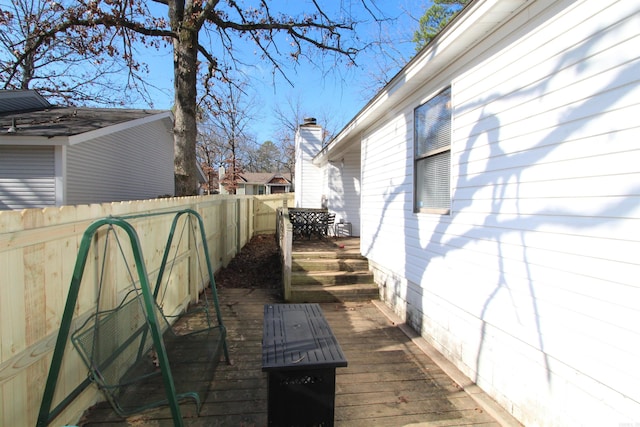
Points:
[(259, 183), (53, 156)]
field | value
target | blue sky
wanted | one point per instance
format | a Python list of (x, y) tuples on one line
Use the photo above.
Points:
[(323, 90)]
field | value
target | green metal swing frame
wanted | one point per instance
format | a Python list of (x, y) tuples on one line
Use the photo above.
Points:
[(142, 302)]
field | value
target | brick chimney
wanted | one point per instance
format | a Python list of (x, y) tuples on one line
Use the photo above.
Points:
[(308, 177)]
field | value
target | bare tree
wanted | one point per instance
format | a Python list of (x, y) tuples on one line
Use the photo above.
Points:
[(265, 157), (66, 69), (291, 114), (210, 154), (288, 116), (218, 25), (387, 55), (231, 111)]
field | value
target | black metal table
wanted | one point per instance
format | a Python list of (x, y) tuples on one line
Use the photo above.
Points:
[(307, 222), (300, 355)]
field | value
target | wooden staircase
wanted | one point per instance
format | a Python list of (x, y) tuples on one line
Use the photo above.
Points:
[(331, 274)]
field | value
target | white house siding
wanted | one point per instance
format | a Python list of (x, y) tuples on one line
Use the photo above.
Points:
[(531, 285), (344, 189), (27, 177), (135, 163)]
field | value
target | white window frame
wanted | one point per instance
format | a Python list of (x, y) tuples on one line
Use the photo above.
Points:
[(432, 150)]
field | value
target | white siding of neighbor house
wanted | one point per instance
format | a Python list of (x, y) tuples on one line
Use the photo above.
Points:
[(531, 285), (27, 177), (131, 164)]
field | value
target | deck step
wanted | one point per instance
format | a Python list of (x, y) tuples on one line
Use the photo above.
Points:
[(337, 254), (338, 293), (330, 278), (328, 264), (327, 274)]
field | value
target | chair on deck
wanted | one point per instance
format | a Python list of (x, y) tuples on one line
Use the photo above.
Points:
[(325, 224), (298, 224)]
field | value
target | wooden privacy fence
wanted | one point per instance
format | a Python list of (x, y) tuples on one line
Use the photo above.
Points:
[(38, 249)]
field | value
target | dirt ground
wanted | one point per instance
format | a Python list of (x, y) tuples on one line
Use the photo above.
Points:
[(256, 266)]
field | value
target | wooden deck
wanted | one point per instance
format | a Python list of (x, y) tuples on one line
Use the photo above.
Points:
[(349, 244), (390, 381)]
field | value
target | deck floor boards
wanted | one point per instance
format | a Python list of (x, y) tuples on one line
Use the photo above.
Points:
[(389, 380)]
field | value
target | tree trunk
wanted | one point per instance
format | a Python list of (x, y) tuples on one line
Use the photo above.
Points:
[(185, 55)]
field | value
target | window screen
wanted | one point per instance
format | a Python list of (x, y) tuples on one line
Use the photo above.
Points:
[(433, 153)]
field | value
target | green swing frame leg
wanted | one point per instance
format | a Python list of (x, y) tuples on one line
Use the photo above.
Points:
[(46, 415)]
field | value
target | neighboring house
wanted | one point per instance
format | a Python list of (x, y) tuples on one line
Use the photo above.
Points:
[(203, 181), (495, 186), (53, 156), (253, 183)]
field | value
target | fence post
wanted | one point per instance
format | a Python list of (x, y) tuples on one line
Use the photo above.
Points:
[(285, 238)]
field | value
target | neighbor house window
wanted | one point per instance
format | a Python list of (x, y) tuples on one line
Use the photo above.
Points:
[(433, 154)]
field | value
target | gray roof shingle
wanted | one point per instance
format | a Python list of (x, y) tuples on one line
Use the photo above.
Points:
[(27, 113), (67, 121)]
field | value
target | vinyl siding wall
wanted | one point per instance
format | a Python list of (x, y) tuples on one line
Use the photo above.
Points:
[(132, 164), (308, 144), (344, 190), (27, 177), (530, 286)]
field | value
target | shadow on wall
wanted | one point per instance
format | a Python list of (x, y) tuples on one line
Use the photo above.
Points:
[(503, 171)]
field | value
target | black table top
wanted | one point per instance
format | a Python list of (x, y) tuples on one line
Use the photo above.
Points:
[(297, 336)]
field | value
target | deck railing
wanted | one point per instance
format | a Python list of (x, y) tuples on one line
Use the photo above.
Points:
[(284, 234)]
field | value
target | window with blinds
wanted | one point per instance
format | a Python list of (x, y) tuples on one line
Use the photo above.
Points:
[(433, 154)]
